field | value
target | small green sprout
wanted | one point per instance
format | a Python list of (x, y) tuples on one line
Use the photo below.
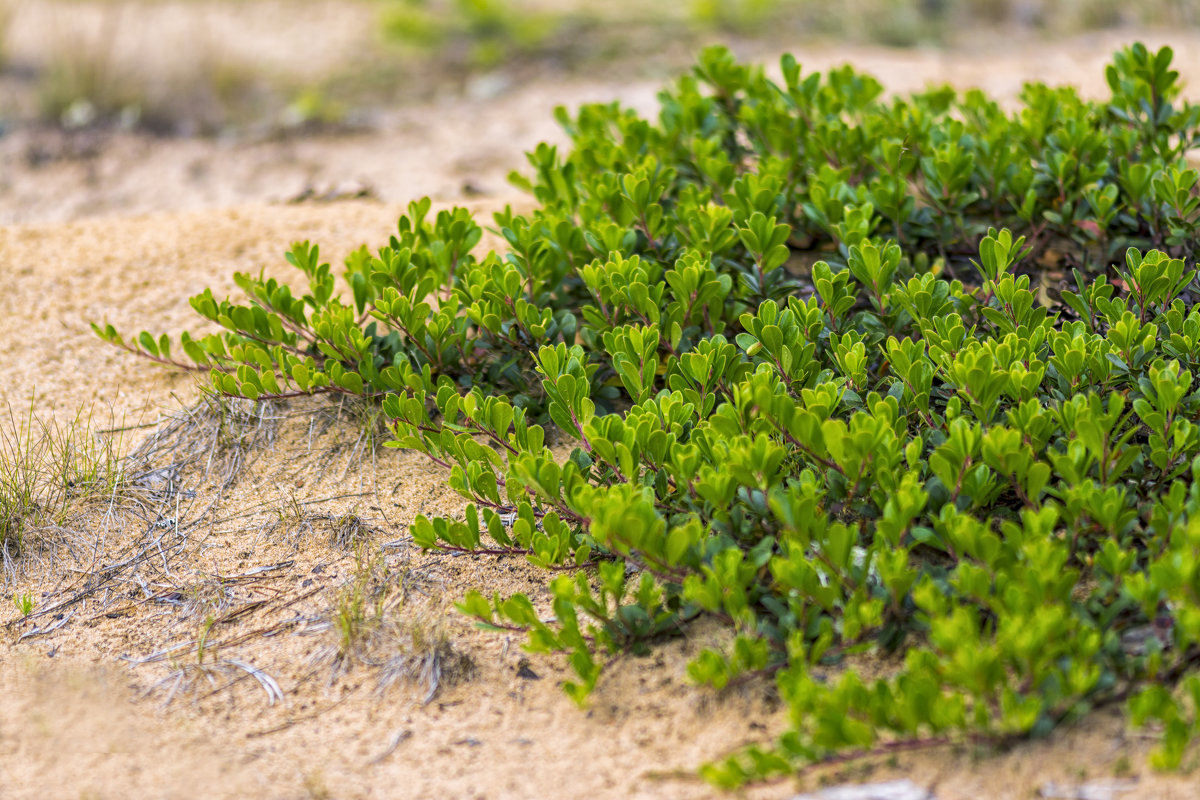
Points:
[(24, 602)]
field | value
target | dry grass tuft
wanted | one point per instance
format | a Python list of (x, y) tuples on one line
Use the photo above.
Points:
[(221, 435), (345, 532), (393, 619), (51, 472), (215, 628)]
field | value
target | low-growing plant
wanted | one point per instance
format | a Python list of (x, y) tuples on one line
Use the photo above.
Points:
[(908, 22), (476, 33), (83, 82), (852, 375), (737, 16), (24, 603), (312, 107)]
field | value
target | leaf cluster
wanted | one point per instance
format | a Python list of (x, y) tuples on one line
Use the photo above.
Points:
[(912, 377)]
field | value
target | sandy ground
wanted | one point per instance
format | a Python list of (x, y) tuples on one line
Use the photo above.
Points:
[(196, 653)]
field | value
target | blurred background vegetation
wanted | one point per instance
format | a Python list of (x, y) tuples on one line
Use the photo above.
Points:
[(485, 32), (202, 67)]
